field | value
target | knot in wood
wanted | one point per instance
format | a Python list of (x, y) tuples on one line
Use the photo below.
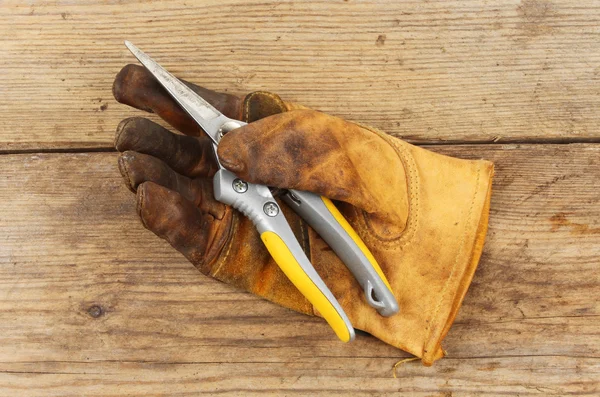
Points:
[(95, 311)]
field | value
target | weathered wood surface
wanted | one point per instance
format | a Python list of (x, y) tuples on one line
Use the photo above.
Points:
[(93, 304), (437, 70)]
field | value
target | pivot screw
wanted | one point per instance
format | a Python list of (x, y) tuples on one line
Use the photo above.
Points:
[(240, 186), (271, 209), (228, 126)]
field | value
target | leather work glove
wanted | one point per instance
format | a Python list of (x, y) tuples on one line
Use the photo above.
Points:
[(423, 215)]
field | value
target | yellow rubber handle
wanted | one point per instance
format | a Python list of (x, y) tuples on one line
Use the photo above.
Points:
[(292, 269), (354, 236)]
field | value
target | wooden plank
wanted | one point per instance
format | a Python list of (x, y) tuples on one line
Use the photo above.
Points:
[(91, 303), (356, 376), (427, 71)]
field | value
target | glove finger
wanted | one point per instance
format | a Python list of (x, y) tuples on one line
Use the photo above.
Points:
[(136, 87), (186, 155), (169, 215), (309, 150), (138, 168)]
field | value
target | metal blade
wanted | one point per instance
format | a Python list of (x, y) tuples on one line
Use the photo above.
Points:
[(209, 118)]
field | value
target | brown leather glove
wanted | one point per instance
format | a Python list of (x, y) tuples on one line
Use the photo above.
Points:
[(423, 215)]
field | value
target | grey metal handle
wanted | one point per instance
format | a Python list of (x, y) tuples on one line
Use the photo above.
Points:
[(258, 204), (314, 211)]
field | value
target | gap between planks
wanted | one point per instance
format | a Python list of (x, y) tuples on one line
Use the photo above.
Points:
[(549, 141)]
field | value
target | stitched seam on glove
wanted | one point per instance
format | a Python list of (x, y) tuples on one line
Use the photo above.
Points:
[(223, 258), (412, 181), (253, 94), (433, 317)]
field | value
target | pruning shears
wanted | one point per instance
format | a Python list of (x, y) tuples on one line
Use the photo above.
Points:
[(257, 203)]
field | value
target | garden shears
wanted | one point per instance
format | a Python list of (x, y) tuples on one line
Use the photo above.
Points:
[(258, 204)]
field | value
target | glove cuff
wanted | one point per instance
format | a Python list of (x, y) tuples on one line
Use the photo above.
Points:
[(430, 266), (429, 251)]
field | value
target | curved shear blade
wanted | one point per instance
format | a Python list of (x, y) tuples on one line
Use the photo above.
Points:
[(209, 118)]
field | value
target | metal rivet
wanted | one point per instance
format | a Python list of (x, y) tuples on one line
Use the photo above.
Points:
[(271, 209), (240, 186)]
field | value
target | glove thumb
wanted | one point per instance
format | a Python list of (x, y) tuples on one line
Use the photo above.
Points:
[(308, 150)]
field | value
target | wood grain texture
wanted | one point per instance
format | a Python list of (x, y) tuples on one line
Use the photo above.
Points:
[(93, 304), (430, 71)]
